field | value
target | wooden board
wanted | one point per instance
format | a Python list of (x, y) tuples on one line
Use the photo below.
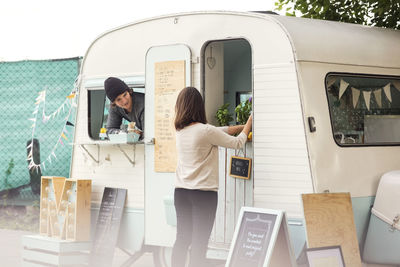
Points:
[(330, 222), (169, 81)]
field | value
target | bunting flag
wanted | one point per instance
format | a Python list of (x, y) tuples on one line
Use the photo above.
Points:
[(71, 102), (342, 88), (378, 97), (72, 95), (367, 98), (356, 96), (330, 81), (396, 84), (386, 89), (63, 136)]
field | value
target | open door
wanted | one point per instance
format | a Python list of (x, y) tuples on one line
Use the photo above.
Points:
[(228, 80), (168, 71)]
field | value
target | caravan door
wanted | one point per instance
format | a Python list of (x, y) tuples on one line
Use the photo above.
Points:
[(168, 71)]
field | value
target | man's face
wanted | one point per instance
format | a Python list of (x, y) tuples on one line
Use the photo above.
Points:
[(124, 101)]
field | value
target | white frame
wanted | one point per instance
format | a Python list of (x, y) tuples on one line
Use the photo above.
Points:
[(324, 252), (280, 217)]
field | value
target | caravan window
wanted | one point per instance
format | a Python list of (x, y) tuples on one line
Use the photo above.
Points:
[(364, 109), (98, 105)]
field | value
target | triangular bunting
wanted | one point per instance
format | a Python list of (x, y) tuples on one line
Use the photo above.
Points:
[(61, 142), (342, 88), (69, 123), (367, 98), (71, 96), (330, 81), (396, 84), (386, 89), (378, 97), (63, 136), (356, 94)]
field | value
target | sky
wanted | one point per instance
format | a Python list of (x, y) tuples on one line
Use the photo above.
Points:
[(52, 29)]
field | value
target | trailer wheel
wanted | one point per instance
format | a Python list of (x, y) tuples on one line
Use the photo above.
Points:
[(162, 257)]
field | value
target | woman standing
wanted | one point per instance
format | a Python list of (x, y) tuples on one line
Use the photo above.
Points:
[(196, 182)]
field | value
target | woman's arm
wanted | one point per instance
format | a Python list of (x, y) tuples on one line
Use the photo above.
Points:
[(232, 130), (221, 138)]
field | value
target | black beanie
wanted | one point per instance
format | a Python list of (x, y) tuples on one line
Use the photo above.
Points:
[(114, 87)]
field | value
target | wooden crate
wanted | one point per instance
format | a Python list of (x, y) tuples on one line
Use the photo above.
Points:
[(46, 251), (65, 208)]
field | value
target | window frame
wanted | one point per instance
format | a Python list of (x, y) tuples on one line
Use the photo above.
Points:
[(136, 83), (355, 75)]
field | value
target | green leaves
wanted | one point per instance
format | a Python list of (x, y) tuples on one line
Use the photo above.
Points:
[(379, 13), (243, 111), (223, 116)]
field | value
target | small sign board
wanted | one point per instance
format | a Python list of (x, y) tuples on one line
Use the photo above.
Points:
[(107, 227), (240, 167), (261, 239)]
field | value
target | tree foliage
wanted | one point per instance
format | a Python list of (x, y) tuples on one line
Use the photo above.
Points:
[(379, 13)]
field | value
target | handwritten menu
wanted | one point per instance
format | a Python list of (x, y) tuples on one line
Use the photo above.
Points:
[(107, 227), (169, 81), (253, 239)]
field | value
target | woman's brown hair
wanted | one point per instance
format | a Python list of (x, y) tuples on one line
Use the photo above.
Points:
[(189, 108)]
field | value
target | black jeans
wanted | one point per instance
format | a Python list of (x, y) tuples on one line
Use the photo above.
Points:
[(195, 213)]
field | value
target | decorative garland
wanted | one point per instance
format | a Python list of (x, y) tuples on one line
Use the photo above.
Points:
[(71, 102)]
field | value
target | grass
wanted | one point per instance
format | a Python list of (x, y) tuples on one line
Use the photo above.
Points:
[(24, 218)]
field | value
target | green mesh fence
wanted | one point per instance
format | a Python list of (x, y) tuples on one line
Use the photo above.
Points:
[(22, 119)]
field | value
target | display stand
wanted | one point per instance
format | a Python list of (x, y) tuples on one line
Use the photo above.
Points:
[(261, 238), (46, 251)]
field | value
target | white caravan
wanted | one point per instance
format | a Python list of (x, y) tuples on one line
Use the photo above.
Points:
[(326, 105)]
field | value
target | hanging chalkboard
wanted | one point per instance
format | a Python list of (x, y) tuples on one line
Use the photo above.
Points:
[(260, 239), (107, 227), (240, 167)]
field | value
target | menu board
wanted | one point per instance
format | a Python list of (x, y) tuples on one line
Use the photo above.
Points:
[(169, 81), (107, 227), (261, 239), (240, 167), (253, 239)]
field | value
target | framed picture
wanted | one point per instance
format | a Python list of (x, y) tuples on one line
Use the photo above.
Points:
[(325, 257)]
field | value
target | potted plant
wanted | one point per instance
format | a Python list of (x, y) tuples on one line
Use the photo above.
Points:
[(223, 116), (243, 111)]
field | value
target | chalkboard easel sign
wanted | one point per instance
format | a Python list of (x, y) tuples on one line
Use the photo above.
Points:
[(240, 167), (261, 239), (107, 227)]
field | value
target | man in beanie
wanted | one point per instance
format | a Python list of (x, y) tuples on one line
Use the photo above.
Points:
[(124, 104)]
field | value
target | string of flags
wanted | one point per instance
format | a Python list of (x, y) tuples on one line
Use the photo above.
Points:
[(377, 92), (65, 109)]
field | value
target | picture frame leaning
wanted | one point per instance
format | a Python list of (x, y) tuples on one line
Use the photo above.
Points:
[(330, 256)]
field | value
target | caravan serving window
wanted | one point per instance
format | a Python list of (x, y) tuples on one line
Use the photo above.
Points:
[(364, 109), (98, 105)]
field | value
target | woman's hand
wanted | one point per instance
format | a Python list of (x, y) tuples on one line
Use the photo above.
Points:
[(249, 124)]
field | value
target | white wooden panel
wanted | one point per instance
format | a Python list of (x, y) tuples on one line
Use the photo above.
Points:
[(113, 170), (249, 184), (219, 228), (281, 163), (230, 201)]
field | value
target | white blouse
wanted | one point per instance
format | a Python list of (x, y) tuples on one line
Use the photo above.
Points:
[(197, 148)]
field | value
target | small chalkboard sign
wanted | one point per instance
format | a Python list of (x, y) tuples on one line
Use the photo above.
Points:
[(107, 227), (261, 239), (240, 167)]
